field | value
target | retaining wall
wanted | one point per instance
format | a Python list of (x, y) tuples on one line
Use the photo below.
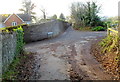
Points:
[(41, 31)]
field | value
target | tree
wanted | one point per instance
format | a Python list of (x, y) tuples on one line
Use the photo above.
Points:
[(54, 17), (28, 7), (44, 13), (62, 17), (92, 17), (85, 14), (78, 14)]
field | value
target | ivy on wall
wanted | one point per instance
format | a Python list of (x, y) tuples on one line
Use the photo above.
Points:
[(20, 42), (19, 34)]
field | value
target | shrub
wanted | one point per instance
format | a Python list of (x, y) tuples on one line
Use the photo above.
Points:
[(98, 28), (110, 44)]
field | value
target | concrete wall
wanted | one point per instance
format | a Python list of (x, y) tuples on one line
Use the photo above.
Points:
[(40, 31), (8, 49)]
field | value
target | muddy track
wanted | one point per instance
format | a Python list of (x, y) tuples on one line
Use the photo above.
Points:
[(67, 57)]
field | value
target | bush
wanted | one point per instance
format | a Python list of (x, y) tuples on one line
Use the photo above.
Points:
[(98, 28), (110, 44), (110, 55)]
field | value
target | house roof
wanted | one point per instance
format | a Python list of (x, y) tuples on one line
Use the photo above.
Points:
[(24, 17), (3, 17)]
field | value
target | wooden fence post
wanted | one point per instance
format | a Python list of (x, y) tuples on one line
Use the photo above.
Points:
[(108, 32)]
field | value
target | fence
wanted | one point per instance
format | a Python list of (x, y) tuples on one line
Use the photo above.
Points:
[(112, 31), (9, 46), (8, 49)]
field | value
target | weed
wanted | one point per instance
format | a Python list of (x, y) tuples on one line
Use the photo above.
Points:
[(11, 72)]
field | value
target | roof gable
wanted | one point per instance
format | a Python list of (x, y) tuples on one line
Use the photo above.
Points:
[(23, 17), (12, 15)]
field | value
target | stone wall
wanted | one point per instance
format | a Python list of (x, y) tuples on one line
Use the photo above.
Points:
[(41, 31), (7, 49)]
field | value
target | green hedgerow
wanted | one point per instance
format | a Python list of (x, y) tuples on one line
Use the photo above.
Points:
[(98, 28)]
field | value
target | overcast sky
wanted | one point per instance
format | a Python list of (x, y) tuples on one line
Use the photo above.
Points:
[(109, 7)]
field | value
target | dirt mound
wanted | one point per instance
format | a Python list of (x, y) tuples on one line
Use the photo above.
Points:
[(25, 67)]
